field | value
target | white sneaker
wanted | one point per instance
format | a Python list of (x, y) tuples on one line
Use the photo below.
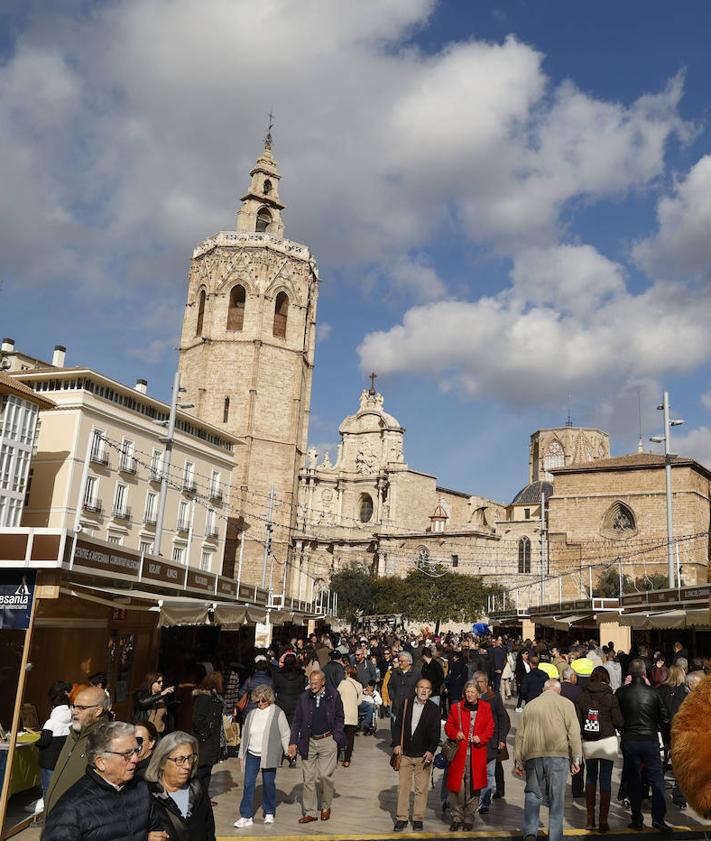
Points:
[(242, 823), (269, 819), (519, 709)]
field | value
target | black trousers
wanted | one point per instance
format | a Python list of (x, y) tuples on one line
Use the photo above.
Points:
[(500, 780), (578, 781)]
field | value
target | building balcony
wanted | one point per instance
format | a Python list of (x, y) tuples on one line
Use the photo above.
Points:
[(211, 535), (150, 520), (122, 513), (99, 458), (189, 486), (155, 475), (216, 495), (92, 506), (128, 466), (183, 527)]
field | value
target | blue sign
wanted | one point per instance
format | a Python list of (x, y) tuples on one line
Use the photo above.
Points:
[(17, 589)]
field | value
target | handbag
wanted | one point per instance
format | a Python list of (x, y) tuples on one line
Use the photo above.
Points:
[(451, 746), (395, 758), (606, 748), (503, 754), (242, 703)]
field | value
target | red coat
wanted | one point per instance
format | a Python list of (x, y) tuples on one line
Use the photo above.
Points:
[(484, 729)]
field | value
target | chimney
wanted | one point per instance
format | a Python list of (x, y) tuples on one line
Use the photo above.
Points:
[(8, 346), (58, 356), (142, 386)]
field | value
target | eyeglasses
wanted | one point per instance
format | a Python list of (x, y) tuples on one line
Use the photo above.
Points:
[(263, 701), (181, 760), (82, 707), (126, 755)]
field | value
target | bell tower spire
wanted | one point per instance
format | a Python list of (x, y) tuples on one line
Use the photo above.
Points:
[(261, 208)]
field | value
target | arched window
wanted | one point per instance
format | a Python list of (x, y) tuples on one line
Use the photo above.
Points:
[(264, 220), (619, 521), (524, 555), (553, 457), (201, 313), (267, 187), (226, 410), (281, 313), (366, 508), (235, 308)]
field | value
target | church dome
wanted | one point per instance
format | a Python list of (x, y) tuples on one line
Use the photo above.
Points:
[(370, 417), (531, 494)]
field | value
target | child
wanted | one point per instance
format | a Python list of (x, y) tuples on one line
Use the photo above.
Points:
[(369, 706)]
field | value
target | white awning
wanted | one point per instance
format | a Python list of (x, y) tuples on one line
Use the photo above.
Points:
[(183, 614), (678, 618), (234, 616), (566, 621)]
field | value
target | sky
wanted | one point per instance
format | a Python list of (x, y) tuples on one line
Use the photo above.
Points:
[(510, 203)]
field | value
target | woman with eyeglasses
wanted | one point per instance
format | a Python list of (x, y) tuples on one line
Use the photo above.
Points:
[(150, 702), (265, 738), (182, 803)]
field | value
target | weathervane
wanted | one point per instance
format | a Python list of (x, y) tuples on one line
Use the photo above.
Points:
[(268, 138)]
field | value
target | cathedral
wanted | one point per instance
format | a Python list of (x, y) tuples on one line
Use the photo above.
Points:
[(246, 363)]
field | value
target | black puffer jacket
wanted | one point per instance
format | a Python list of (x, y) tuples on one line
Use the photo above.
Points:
[(598, 712), (93, 810), (643, 712), (672, 698), (207, 725), (288, 686), (200, 823)]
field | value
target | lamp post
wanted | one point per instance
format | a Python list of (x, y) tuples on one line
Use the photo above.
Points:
[(666, 440)]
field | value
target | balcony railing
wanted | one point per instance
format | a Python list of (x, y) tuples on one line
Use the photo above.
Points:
[(155, 474), (92, 506), (189, 486), (216, 495), (128, 465), (150, 519), (122, 513), (183, 525), (212, 535), (99, 457)]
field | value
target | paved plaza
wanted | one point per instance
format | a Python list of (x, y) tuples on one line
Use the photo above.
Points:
[(366, 795)]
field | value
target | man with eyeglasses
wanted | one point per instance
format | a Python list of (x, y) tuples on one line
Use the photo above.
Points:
[(89, 709), (107, 803)]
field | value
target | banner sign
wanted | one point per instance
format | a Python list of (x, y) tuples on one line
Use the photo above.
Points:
[(17, 590)]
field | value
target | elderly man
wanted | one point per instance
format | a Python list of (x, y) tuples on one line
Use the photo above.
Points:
[(416, 743), (401, 687), (107, 803), (317, 733), (89, 709), (547, 748)]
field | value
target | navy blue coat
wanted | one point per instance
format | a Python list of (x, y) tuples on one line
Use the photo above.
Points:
[(301, 727)]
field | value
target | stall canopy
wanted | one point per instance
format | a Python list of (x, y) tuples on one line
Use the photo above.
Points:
[(694, 618), (234, 616), (566, 621), (172, 613)]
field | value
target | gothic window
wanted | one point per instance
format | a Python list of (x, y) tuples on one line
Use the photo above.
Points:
[(267, 187), (619, 522), (235, 308), (264, 220), (201, 313), (281, 313), (366, 508), (524, 555), (226, 410), (553, 457)]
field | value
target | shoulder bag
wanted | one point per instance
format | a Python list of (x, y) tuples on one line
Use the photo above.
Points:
[(396, 757), (451, 746)]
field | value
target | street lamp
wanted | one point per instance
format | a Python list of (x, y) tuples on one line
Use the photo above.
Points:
[(666, 440)]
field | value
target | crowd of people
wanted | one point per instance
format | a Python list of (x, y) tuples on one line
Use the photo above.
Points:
[(445, 702)]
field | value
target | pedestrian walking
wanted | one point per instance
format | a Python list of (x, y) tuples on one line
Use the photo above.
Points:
[(547, 749), (207, 726), (316, 735), (351, 692), (497, 743), (471, 724), (600, 717), (416, 746), (265, 739), (54, 734), (401, 687), (534, 681)]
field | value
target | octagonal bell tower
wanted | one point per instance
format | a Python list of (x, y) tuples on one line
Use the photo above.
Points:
[(246, 362)]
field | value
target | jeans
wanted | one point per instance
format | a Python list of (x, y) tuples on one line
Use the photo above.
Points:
[(545, 777), (368, 712), (251, 770), (635, 755), (45, 777), (487, 793), (601, 768)]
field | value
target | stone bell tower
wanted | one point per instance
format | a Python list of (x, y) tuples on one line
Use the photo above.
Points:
[(246, 362)]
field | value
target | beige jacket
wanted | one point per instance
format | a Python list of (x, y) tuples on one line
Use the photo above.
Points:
[(548, 726), (351, 693)]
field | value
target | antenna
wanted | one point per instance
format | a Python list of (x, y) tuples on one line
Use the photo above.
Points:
[(569, 420)]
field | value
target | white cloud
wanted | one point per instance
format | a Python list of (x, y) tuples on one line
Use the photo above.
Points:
[(323, 331), (682, 246), (695, 443), (417, 277), (706, 400)]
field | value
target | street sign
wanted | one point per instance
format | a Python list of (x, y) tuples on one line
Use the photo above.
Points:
[(17, 590)]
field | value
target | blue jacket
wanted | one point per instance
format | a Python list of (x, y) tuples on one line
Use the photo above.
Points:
[(301, 728)]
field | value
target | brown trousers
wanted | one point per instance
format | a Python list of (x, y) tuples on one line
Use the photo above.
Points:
[(412, 768)]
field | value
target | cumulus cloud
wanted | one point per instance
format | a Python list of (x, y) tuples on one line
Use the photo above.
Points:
[(417, 277), (706, 400), (696, 443), (681, 248), (323, 331)]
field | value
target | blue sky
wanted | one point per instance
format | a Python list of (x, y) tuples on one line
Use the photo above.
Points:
[(509, 203)]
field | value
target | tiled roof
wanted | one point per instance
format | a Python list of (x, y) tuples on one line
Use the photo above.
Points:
[(531, 494), (633, 461), (9, 385)]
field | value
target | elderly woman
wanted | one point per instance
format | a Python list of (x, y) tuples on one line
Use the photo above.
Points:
[(182, 804), (265, 739), (470, 723)]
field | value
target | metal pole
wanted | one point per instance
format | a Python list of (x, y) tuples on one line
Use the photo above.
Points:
[(165, 464), (668, 478), (543, 545), (678, 571), (619, 564), (590, 580), (239, 564), (268, 540), (560, 589)]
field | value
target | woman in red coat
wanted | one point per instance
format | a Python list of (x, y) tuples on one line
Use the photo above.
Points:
[(466, 775)]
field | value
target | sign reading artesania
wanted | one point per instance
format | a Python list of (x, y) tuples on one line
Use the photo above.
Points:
[(16, 593)]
